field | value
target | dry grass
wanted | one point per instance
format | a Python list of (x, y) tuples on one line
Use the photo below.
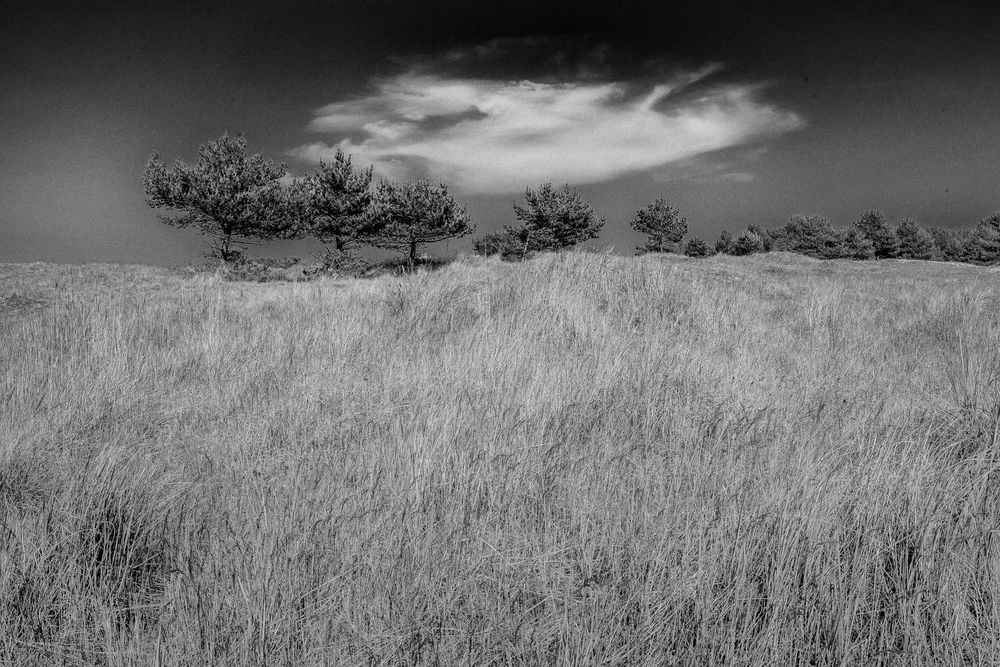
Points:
[(580, 460)]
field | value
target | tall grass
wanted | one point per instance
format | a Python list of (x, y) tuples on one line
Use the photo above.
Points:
[(581, 460)]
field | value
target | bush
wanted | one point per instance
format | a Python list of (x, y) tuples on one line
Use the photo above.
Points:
[(268, 269), (697, 247), (748, 243), (764, 235), (813, 235), (725, 242), (504, 244)]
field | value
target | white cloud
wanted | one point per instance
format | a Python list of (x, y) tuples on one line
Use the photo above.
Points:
[(487, 136)]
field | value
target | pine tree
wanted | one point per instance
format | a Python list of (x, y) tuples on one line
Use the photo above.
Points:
[(725, 242), (986, 239), (229, 194), (553, 220), (409, 215), (697, 247), (813, 235), (662, 224), (335, 200), (914, 242), (857, 245), (748, 243), (876, 229)]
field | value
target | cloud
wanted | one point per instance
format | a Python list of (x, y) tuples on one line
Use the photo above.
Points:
[(492, 136), (710, 169)]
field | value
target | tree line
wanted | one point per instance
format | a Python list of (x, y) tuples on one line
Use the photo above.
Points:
[(239, 199), (871, 236)]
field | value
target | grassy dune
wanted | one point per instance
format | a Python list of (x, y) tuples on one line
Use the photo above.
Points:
[(584, 459)]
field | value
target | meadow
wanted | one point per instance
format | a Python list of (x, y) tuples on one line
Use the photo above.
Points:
[(582, 459)]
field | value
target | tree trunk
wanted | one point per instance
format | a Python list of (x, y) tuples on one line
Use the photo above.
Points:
[(413, 254), (224, 251)]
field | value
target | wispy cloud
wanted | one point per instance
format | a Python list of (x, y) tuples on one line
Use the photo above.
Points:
[(493, 136), (710, 169)]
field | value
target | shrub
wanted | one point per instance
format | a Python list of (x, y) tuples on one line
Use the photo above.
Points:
[(725, 242), (765, 237), (748, 243), (813, 235), (662, 224), (500, 243), (697, 247)]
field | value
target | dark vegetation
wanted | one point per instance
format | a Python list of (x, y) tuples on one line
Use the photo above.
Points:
[(239, 199)]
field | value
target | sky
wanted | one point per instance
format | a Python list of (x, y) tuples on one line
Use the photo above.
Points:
[(736, 112)]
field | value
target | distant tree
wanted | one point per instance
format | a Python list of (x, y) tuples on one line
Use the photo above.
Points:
[(986, 239), (553, 220), (813, 235), (914, 242), (409, 215), (697, 247), (765, 237), (662, 224), (857, 245), (747, 243), (497, 243), (954, 245), (335, 201), (229, 194), (876, 229), (725, 242)]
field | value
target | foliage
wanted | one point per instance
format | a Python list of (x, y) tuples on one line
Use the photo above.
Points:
[(697, 247), (914, 241), (343, 262), (986, 239), (725, 242), (409, 215), (747, 243), (553, 220), (857, 245), (501, 243), (662, 224), (335, 201), (874, 226), (229, 194), (954, 245), (765, 236), (813, 235)]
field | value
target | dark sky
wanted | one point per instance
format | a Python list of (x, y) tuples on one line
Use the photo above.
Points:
[(738, 113)]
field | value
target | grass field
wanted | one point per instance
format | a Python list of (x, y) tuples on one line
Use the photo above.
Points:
[(584, 459)]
